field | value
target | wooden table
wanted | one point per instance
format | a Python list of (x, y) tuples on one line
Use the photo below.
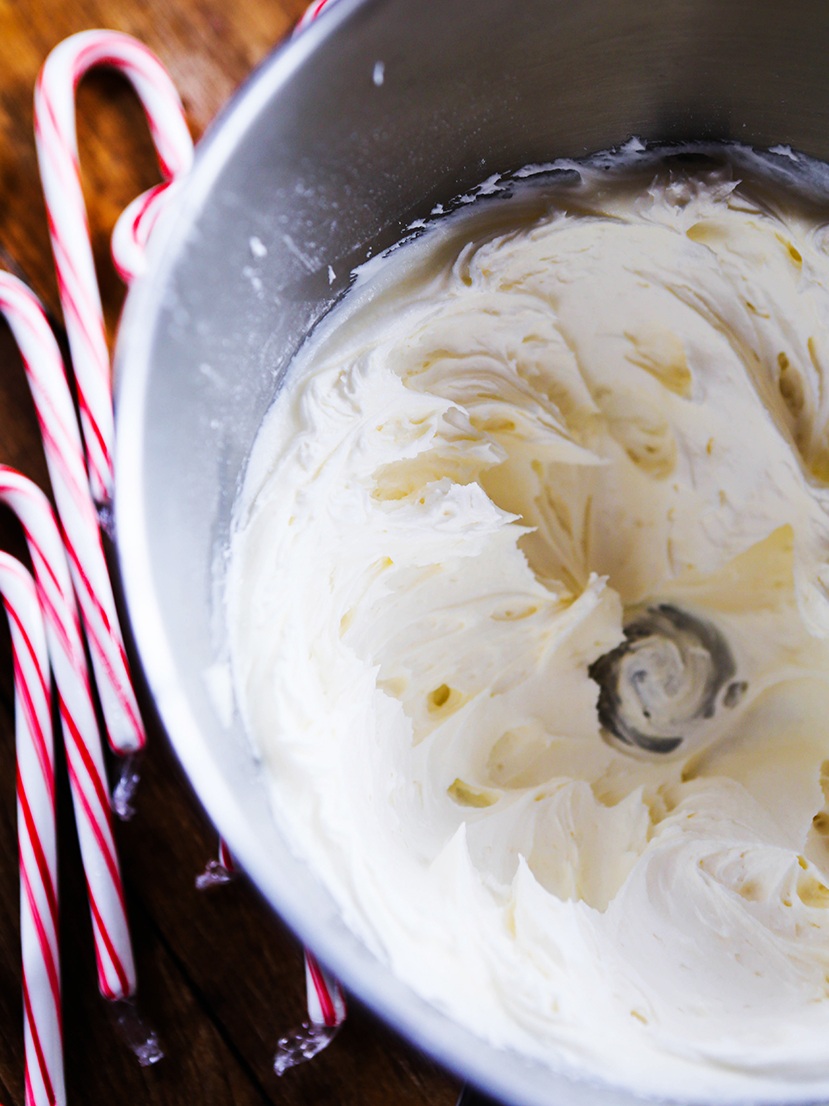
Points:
[(220, 979)]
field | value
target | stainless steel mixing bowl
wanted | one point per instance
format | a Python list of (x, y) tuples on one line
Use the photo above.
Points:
[(322, 163)]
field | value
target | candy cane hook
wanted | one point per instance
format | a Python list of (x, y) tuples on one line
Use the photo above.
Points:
[(57, 147)]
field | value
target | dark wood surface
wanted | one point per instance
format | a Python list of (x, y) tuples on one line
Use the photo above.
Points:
[(220, 978)]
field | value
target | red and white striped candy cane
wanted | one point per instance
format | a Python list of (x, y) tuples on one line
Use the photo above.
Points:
[(326, 1001), (132, 231), (57, 147), (326, 1013), (46, 374), (324, 996), (84, 755), (311, 13), (80, 298), (37, 844)]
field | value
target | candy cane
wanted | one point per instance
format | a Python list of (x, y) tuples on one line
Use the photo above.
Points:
[(42, 1027), (311, 13), (325, 996), (64, 456), (131, 234), (326, 1001), (80, 297), (326, 1014), (57, 148), (84, 755)]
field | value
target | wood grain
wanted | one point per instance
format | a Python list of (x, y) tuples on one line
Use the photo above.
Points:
[(220, 978)]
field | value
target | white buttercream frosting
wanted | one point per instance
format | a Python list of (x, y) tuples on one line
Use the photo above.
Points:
[(549, 417)]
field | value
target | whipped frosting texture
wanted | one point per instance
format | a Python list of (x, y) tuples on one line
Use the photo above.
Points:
[(529, 620)]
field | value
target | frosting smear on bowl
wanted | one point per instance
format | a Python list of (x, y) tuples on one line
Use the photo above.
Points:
[(529, 608)]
